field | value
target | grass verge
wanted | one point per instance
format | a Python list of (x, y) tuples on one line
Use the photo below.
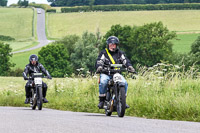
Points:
[(173, 96)]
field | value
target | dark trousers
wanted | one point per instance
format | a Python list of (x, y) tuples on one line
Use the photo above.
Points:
[(28, 89)]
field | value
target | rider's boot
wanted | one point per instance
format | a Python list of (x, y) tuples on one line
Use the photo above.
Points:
[(44, 94), (27, 100), (127, 106), (101, 102), (45, 100)]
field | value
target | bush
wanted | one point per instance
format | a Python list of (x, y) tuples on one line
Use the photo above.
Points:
[(16, 73), (5, 56), (55, 59), (51, 10), (69, 42), (185, 60), (85, 52), (195, 50), (6, 38)]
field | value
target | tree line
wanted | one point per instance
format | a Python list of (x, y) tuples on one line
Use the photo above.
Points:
[(3, 2), (107, 2), (132, 7)]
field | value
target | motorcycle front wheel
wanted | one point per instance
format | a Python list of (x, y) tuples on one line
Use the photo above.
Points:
[(121, 102), (33, 100), (39, 98)]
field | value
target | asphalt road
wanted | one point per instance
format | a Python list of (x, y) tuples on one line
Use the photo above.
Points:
[(21, 120), (42, 39)]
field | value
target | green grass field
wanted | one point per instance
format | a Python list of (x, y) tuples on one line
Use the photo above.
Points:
[(183, 42), (22, 59), (19, 23), (20, 45), (16, 22), (62, 24)]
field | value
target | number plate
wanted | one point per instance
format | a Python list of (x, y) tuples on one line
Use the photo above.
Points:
[(117, 77), (38, 80)]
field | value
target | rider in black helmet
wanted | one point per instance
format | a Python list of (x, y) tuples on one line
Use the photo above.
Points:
[(34, 67), (103, 58)]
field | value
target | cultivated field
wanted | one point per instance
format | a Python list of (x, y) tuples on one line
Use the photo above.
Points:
[(16, 22), (62, 24)]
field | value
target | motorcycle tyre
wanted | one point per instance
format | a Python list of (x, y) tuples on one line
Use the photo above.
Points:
[(34, 102), (40, 100), (123, 102)]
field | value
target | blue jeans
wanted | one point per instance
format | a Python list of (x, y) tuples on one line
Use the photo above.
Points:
[(103, 85)]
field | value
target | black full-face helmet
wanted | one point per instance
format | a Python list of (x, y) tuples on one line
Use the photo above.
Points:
[(33, 57), (112, 40)]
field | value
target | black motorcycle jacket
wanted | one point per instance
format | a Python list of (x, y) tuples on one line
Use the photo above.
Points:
[(29, 69), (118, 56)]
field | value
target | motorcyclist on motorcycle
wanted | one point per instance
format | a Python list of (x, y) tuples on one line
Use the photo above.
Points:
[(34, 67), (110, 55)]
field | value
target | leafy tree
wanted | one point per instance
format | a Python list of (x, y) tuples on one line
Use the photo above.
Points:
[(195, 50), (55, 59), (5, 64), (69, 42), (23, 3), (150, 44), (85, 52), (147, 45), (3, 2), (183, 59), (123, 33)]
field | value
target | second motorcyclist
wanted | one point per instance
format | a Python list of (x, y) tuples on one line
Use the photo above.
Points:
[(34, 67)]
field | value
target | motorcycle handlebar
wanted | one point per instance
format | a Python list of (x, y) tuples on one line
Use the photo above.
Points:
[(112, 71), (31, 78)]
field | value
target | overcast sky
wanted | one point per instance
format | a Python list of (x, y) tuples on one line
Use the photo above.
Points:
[(36, 1)]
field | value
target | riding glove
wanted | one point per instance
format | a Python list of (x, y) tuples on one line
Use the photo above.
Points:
[(131, 69), (49, 77), (99, 69)]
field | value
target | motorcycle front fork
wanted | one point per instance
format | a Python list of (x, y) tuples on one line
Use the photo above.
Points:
[(109, 103)]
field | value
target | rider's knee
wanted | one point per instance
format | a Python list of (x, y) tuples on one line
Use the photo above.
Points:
[(27, 86), (122, 84), (44, 85), (103, 81)]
